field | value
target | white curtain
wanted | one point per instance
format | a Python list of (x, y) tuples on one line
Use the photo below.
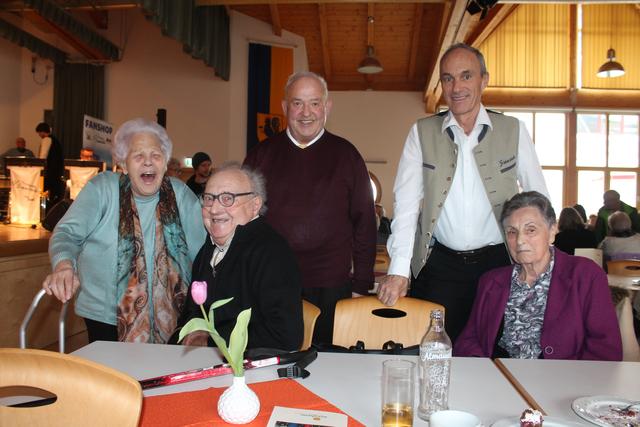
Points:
[(26, 188), (79, 176)]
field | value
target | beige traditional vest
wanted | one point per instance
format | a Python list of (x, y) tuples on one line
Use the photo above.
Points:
[(495, 155)]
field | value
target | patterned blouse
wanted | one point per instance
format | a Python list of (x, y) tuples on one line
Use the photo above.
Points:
[(524, 314)]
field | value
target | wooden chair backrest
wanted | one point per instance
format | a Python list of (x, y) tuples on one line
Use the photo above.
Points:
[(624, 267), (367, 319), (591, 253), (87, 393), (310, 314)]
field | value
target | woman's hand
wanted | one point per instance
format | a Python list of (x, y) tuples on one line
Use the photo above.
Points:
[(197, 338), (63, 282)]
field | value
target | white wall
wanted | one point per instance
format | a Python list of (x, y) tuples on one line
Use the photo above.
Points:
[(377, 123)]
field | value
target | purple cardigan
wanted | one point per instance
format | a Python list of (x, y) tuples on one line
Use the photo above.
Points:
[(579, 322)]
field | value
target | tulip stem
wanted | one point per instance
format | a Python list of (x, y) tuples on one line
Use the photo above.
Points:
[(204, 313)]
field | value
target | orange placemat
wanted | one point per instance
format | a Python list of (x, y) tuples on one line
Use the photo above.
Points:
[(199, 408)]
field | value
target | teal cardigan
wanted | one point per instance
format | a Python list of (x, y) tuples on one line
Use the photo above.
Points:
[(88, 236)]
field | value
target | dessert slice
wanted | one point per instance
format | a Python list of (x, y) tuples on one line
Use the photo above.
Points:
[(531, 418)]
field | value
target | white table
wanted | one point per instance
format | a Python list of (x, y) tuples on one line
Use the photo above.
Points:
[(555, 384), (349, 381)]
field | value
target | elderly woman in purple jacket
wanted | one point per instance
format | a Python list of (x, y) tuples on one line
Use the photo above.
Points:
[(548, 305)]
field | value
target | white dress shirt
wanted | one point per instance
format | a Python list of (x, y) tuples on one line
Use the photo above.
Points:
[(45, 145), (308, 144), (466, 221)]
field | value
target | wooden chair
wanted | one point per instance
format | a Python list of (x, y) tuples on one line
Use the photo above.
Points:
[(624, 267), (310, 314), (593, 254), (88, 394), (368, 320)]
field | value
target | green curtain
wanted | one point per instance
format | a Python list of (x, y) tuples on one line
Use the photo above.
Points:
[(202, 30), (78, 89), (34, 44)]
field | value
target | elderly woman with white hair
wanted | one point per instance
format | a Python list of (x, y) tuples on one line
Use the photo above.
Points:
[(127, 242)]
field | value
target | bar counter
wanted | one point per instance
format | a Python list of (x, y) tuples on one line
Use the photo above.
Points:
[(24, 263)]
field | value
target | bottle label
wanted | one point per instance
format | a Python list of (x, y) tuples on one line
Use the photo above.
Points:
[(436, 355)]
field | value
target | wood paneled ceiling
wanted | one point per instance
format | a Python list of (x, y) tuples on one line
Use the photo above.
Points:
[(408, 37)]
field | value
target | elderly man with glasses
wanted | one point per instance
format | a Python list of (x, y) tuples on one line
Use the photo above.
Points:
[(246, 259)]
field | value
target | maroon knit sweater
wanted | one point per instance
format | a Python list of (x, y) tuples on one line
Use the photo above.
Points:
[(319, 198)]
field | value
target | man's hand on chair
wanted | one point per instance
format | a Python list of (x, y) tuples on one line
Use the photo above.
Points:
[(391, 288)]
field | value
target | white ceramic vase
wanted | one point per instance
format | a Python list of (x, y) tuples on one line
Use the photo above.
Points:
[(238, 404)]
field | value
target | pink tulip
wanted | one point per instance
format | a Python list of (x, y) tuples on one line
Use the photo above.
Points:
[(199, 292)]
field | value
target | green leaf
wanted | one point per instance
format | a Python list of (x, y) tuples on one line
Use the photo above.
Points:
[(195, 324), (238, 342), (222, 345), (220, 303)]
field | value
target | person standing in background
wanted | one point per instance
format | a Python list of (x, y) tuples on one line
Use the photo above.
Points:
[(51, 150)]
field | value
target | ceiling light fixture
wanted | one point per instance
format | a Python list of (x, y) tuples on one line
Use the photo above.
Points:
[(611, 68), (370, 64)]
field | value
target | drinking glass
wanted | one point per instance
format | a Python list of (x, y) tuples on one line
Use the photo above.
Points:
[(398, 388)]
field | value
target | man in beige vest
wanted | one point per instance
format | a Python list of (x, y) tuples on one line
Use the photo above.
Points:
[(456, 170)]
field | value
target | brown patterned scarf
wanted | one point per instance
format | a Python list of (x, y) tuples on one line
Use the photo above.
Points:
[(138, 321)]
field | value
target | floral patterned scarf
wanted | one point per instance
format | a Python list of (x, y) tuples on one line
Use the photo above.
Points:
[(139, 321)]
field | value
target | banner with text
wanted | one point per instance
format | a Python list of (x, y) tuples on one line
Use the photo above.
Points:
[(98, 135)]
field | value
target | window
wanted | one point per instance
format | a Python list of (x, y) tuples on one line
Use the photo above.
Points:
[(607, 157), (548, 132)]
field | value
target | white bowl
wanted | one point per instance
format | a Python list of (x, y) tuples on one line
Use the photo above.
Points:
[(453, 418)]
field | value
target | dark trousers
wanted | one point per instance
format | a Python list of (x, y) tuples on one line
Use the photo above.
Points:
[(451, 279), (98, 331), (325, 299)]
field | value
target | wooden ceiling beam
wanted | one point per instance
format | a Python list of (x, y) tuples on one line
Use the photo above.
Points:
[(495, 17), (324, 40), (49, 27), (562, 98), (246, 2), (454, 32), (275, 19), (415, 40)]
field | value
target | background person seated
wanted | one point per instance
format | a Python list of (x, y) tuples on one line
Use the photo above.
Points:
[(87, 154), (622, 242), (20, 150), (246, 259), (572, 232), (612, 203), (548, 305)]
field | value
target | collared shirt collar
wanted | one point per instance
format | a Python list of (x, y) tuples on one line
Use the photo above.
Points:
[(482, 119), (318, 136)]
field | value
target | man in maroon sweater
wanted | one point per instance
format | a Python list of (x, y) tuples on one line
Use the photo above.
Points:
[(319, 199)]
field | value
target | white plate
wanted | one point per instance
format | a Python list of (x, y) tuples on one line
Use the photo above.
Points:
[(600, 411), (546, 422)]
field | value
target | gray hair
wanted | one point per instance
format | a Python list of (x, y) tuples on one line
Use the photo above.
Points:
[(476, 52), (529, 199), (256, 179), (302, 74), (620, 224), (122, 140)]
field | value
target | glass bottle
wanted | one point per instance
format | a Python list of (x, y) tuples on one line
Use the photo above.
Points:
[(435, 366)]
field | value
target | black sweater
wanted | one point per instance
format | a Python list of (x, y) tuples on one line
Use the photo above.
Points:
[(258, 271)]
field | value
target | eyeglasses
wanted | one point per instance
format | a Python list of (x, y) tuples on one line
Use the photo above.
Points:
[(226, 199)]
